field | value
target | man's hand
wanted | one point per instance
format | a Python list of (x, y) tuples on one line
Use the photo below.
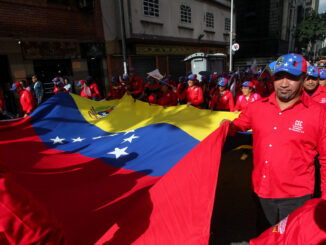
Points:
[(225, 120), (188, 104)]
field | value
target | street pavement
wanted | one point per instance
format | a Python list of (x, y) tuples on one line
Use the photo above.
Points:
[(234, 215)]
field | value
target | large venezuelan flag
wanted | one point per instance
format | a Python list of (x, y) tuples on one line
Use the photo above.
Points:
[(119, 172)]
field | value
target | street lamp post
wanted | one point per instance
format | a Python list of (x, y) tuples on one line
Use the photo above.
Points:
[(123, 36), (231, 37)]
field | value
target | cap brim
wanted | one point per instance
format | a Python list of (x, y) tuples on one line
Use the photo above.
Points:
[(13, 89), (287, 70)]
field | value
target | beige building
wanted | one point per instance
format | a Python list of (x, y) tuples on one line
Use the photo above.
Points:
[(161, 33)]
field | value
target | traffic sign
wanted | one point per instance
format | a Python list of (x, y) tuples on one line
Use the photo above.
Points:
[(235, 47)]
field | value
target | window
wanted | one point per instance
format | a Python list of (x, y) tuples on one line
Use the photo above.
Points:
[(185, 13), (151, 8), (209, 18), (227, 24)]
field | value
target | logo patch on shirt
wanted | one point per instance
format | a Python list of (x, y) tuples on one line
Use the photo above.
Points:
[(280, 227), (323, 101), (297, 127)]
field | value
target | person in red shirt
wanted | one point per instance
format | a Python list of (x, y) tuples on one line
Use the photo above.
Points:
[(27, 100), (222, 99), (248, 96), (116, 91), (59, 87), (55, 84), (322, 80), (136, 86), (171, 82), (288, 131), (182, 90), (311, 85), (85, 90), (168, 97), (152, 88), (195, 95), (96, 95), (306, 225)]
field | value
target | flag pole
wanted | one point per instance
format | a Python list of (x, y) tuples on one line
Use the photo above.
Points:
[(123, 37)]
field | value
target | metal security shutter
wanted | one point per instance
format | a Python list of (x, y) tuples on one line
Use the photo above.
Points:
[(143, 65), (177, 67)]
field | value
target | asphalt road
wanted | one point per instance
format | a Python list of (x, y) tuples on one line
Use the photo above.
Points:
[(234, 215)]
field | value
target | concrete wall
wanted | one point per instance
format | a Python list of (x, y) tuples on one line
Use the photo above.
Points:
[(168, 24)]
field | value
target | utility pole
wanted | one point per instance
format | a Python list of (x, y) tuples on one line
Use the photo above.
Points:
[(123, 37), (231, 37)]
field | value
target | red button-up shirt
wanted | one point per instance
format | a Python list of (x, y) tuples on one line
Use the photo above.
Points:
[(285, 143), (169, 98), (319, 95)]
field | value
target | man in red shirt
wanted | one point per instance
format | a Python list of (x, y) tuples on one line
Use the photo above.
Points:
[(306, 225), (222, 99), (136, 87), (194, 92), (151, 90), (311, 85), (288, 131), (116, 91), (182, 90), (168, 97), (322, 80), (27, 100)]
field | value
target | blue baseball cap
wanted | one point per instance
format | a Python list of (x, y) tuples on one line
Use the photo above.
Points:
[(313, 71), (294, 64), (89, 78), (323, 74), (15, 86), (247, 84), (192, 77), (80, 83), (132, 69), (222, 82), (113, 79)]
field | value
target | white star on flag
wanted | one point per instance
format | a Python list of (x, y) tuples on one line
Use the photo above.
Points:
[(57, 140), (290, 59), (119, 152), (77, 140), (286, 64), (130, 131), (130, 139)]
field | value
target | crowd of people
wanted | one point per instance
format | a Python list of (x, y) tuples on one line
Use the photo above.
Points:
[(226, 92)]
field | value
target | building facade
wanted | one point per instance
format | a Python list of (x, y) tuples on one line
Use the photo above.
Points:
[(265, 29), (50, 38), (160, 34)]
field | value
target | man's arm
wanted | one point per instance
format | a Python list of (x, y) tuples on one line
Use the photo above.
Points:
[(242, 123), (321, 148)]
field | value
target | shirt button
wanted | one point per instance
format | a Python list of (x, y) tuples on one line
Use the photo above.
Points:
[(266, 161), (275, 128), (264, 176), (280, 113), (270, 145)]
